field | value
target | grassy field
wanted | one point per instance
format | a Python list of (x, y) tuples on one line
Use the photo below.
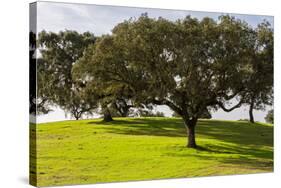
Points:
[(91, 151)]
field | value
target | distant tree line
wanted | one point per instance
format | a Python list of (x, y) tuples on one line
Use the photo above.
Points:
[(192, 66), (269, 118)]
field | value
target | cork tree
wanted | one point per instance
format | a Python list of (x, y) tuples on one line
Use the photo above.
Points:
[(56, 86), (260, 79), (189, 65)]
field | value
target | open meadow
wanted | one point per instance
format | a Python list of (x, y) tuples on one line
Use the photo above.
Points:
[(91, 151)]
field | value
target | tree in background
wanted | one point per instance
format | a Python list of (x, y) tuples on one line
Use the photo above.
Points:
[(60, 51), (118, 99), (114, 97), (270, 116), (32, 72), (260, 79), (150, 113), (44, 93), (188, 65)]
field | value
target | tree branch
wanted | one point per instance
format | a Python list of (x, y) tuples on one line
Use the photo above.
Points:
[(168, 103), (229, 97), (229, 109)]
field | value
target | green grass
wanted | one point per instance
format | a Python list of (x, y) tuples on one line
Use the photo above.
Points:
[(91, 151)]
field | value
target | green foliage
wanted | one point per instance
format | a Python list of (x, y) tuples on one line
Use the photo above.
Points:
[(259, 81), (270, 117), (189, 65), (117, 96), (174, 114), (60, 51), (159, 114), (32, 71), (117, 112), (91, 151), (150, 113)]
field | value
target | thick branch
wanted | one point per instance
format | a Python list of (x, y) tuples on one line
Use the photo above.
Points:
[(229, 109), (168, 103), (229, 97)]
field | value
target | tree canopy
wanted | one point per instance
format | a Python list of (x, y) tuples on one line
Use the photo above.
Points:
[(60, 51), (269, 118), (32, 71), (260, 79), (190, 65)]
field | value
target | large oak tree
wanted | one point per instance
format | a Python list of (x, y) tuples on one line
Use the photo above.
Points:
[(190, 65), (260, 79), (59, 52), (116, 98)]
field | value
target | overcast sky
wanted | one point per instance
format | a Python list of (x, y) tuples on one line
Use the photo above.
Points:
[(100, 20)]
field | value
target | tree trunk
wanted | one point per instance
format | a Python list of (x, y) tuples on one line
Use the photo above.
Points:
[(125, 112), (190, 127), (76, 115), (191, 137), (251, 112), (122, 110), (107, 115)]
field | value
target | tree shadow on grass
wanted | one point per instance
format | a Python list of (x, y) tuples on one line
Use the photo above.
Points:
[(242, 133), (240, 143), (145, 126), (246, 157), (221, 149)]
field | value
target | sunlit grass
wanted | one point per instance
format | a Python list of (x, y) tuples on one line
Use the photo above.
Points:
[(91, 151)]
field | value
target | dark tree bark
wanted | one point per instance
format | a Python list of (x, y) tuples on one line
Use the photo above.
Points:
[(122, 108), (107, 115), (191, 137), (76, 115), (189, 123), (125, 112), (251, 112), (190, 127)]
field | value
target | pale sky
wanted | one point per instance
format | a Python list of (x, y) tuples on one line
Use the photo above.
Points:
[(100, 20)]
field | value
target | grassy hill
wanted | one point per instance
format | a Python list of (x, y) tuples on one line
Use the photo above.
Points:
[(90, 151)]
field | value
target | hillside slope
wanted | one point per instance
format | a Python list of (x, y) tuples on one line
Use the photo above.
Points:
[(90, 151)]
